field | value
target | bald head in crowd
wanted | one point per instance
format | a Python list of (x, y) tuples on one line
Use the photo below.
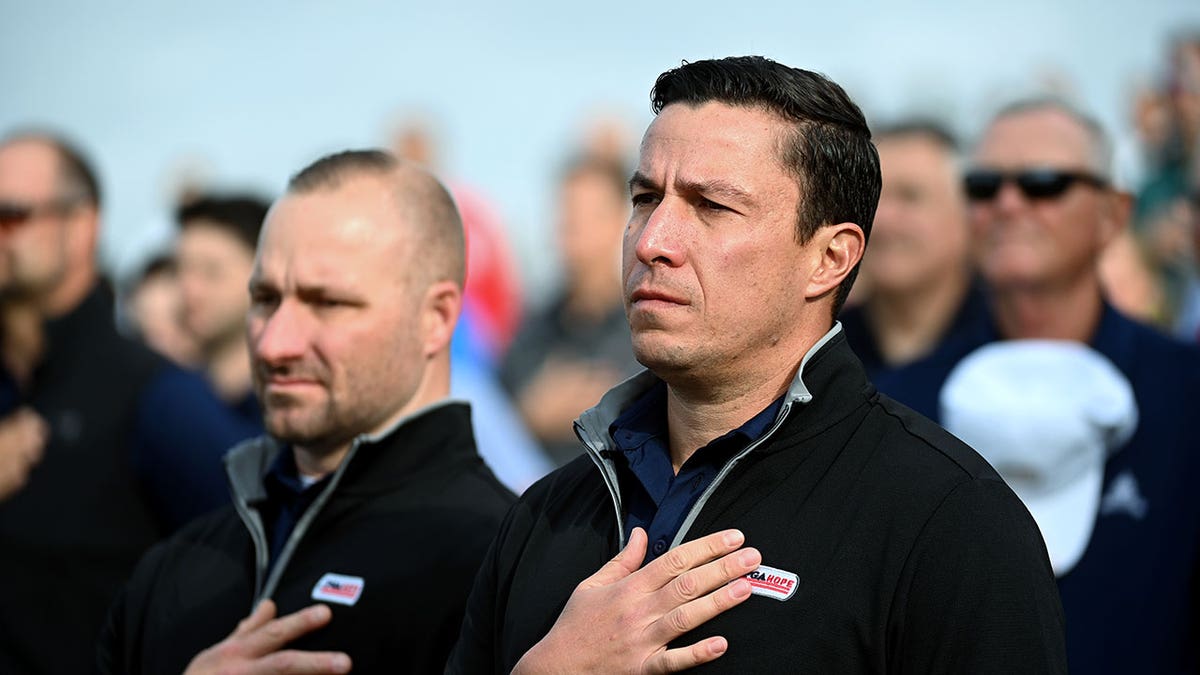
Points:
[(49, 222), (355, 292)]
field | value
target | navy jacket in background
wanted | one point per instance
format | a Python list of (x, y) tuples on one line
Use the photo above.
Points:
[(121, 420)]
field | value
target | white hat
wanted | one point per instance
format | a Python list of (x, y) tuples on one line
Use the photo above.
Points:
[(1046, 414)]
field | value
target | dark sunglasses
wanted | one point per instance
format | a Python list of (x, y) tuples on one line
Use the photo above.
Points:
[(984, 184), (14, 215)]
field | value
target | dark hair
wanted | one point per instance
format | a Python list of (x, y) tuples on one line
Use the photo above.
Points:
[(329, 171), (240, 215), (830, 150), (159, 264), (77, 179)]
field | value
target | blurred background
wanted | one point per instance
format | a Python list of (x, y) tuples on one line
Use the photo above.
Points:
[(170, 96)]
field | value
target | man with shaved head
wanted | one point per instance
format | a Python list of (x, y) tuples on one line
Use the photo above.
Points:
[(356, 288)]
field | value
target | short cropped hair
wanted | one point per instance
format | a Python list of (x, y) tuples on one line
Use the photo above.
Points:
[(76, 177), (422, 200), (240, 215), (1100, 148), (829, 150), (920, 127)]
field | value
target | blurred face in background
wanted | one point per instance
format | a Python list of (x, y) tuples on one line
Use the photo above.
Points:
[(214, 267), (592, 214), (920, 232), (1024, 241), (155, 306), (37, 219)]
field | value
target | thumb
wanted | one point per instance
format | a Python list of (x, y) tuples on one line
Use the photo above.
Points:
[(625, 563)]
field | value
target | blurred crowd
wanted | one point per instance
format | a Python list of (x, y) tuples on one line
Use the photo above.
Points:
[(110, 439)]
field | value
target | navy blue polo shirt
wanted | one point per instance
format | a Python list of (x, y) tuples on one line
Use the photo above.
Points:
[(288, 499), (655, 497)]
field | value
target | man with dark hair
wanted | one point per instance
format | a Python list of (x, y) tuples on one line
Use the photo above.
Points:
[(90, 468), (367, 494), (770, 509), (922, 297), (567, 355), (215, 254)]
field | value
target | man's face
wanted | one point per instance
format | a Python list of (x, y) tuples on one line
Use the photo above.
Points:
[(591, 217), (711, 263), (214, 267), (33, 249), (1022, 242), (333, 320), (920, 230)]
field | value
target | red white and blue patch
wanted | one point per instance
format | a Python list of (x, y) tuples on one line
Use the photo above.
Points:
[(338, 588), (772, 583)]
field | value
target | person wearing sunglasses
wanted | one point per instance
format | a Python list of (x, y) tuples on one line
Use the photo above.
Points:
[(1042, 209), (84, 414)]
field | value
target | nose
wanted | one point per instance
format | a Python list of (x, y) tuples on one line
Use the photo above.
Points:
[(658, 239), (1009, 198), (280, 336)]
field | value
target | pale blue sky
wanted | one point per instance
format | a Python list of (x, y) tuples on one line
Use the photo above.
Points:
[(258, 89)]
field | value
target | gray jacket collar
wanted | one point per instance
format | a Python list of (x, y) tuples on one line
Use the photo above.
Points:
[(592, 429), (592, 425)]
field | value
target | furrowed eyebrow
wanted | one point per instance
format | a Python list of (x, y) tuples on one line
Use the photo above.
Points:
[(640, 180), (715, 188)]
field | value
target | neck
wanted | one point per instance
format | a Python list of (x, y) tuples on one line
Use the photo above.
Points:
[(319, 464), (66, 295), (23, 341), (1060, 313), (907, 324), (228, 369), (434, 386), (706, 407)]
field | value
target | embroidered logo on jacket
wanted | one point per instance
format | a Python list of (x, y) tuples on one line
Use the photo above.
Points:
[(1124, 496), (772, 583), (338, 588)]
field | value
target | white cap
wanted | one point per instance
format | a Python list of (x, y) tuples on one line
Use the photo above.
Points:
[(1046, 414)]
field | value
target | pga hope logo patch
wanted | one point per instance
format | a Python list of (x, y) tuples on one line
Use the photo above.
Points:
[(772, 583)]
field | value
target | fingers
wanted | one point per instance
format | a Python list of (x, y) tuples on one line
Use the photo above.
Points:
[(294, 662), (688, 556), (691, 615), (274, 634), (625, 563), (683, 658), (706, 578), (263, 612)]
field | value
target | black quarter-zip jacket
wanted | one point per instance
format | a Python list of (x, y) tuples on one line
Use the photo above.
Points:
[(409, 512), (910, 553)]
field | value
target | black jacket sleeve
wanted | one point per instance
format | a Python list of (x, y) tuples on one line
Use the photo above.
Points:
[(978, 594), (477, 649), (120, 639)]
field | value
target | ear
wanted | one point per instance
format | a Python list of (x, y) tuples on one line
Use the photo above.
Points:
[(840, 247), (83, 234), (439, 314), (1116, 209)]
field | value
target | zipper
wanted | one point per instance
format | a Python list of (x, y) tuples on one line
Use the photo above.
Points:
[(725, 471), (258, 535), (610, 481)]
